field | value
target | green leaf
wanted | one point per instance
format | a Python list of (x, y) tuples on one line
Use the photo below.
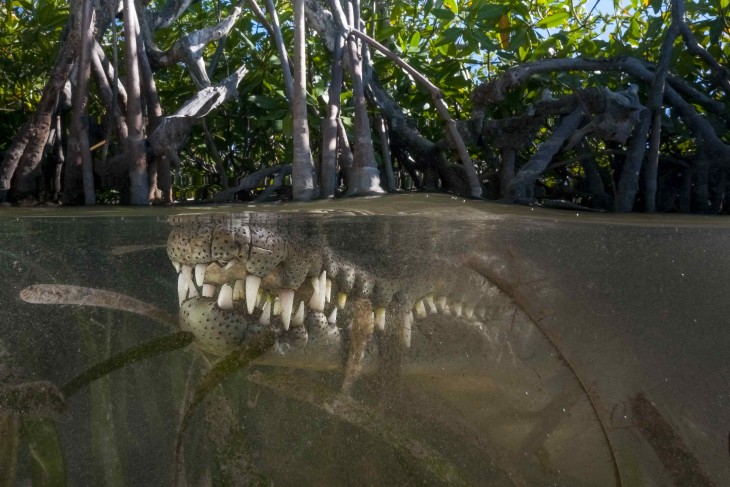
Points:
[(491, 12), (451, 5), (265, 102), (553, 20), (449, 36), (415, 41), (443, 14)]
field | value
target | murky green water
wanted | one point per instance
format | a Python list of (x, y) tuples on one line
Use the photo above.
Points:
[(596, 352)]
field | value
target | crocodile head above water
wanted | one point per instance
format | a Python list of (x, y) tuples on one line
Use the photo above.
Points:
[(241, 275)]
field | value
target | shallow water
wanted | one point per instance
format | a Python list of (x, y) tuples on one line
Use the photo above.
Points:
[(602, 356)]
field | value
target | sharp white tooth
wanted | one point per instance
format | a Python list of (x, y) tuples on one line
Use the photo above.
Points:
[(446, 310), (238, 288), (406, 332), (315, 299), (228, 265), (286, 298), (431, 305), (380, 318), (199, 274), (187, 272), (420, 309), (177, 266), (341, 300), (469, 312), (252, 289), (298, 319), (441, 303), (182, 288), (192, 292), (319, 285), (276, 307), (225, 297), (208, 290), (323, 286), (458, 307), (332, 320), (328, 292), (265, 318)]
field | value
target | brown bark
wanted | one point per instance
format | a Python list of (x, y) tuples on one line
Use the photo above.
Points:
[(106, 93), (328, 171), (364, 166), (520, 186), (302, 166), (79, 168), (443, 111), (137, 160), (629, 182)]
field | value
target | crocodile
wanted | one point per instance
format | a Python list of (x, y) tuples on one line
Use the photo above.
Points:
[(243, 275)]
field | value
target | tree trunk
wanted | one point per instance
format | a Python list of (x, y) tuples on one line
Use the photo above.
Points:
[(302, 166), (137, 160), (328, 172), (522, 183), (507, 171), (385, 153), (79, 164), (367, 177), (628, 184)]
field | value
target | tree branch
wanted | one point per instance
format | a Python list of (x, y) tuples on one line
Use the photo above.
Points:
[(441, 108)]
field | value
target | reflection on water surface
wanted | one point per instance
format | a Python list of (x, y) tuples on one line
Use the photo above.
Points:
[(477, 345)]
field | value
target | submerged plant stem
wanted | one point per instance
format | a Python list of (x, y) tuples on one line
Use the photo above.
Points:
[(150, 348)]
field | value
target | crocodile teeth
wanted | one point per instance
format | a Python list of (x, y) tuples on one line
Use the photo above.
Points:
[(332, 320), (341, 300), (441, 303), (328, 291), (286, 300), (225, 297), (208, 290), (323, 289), (276, 306), (229, 265), (319, 285), (265, 318), (458, 307), (315, 299), (431, 305), (469, 312), (199, 274), (406, 331), (177, 266), (192, 292), (187, 273), (380, 318), (238, 288), (252, 290), (420, 309), (298, 318), (182, 287)]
